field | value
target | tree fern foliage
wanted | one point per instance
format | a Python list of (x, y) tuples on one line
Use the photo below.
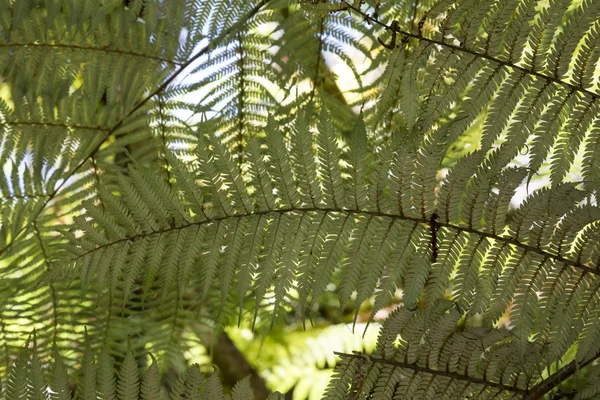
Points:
[(98, 380), (170, 166), (528, 66)]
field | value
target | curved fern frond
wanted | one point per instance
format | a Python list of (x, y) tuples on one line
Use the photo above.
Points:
[(26, 380), (458, 240), (425, 353), (502, 61)]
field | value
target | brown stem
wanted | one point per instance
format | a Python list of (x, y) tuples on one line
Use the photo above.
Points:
[(54, 124), (233, 365), (451, 375), (87, 48), (556, 379)]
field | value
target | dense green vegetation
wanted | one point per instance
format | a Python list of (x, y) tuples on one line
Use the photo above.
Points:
[(376, 199)]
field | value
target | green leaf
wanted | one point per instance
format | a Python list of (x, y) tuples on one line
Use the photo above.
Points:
[(129, 379), (151, 383)]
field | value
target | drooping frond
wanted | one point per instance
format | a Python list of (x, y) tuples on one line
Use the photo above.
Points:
[(236, 85), (308, 42), (278, 63), (529, 69), (27, 380), (81, 86), (425, 353), (434, 357), (449, 240)]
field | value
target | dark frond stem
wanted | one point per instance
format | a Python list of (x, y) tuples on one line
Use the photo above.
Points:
[(316, 80), (51, 285), (86, 48), (139, 105), (55, 124), (524, 246), (425, 221), (434, 245), (485, 56), (108, 314), (451, 375), (164, 139), (545, 386), (241, 99)]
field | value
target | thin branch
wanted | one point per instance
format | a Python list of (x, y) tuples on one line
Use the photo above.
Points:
[(463, 49), (139, 105), (54, 124), (231, 362), (413, 20), (87, 48), (545, 386), (96, 174), (316, 80), (163, 136), (451, 375)]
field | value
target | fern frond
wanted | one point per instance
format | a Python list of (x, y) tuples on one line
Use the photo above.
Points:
[(59, 383), (26, 380), (242, 390), (491, 60), (128, 386), (129, 207), (150, 389), (450, 234), (107, 384), (86, 386), (430, 357)]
